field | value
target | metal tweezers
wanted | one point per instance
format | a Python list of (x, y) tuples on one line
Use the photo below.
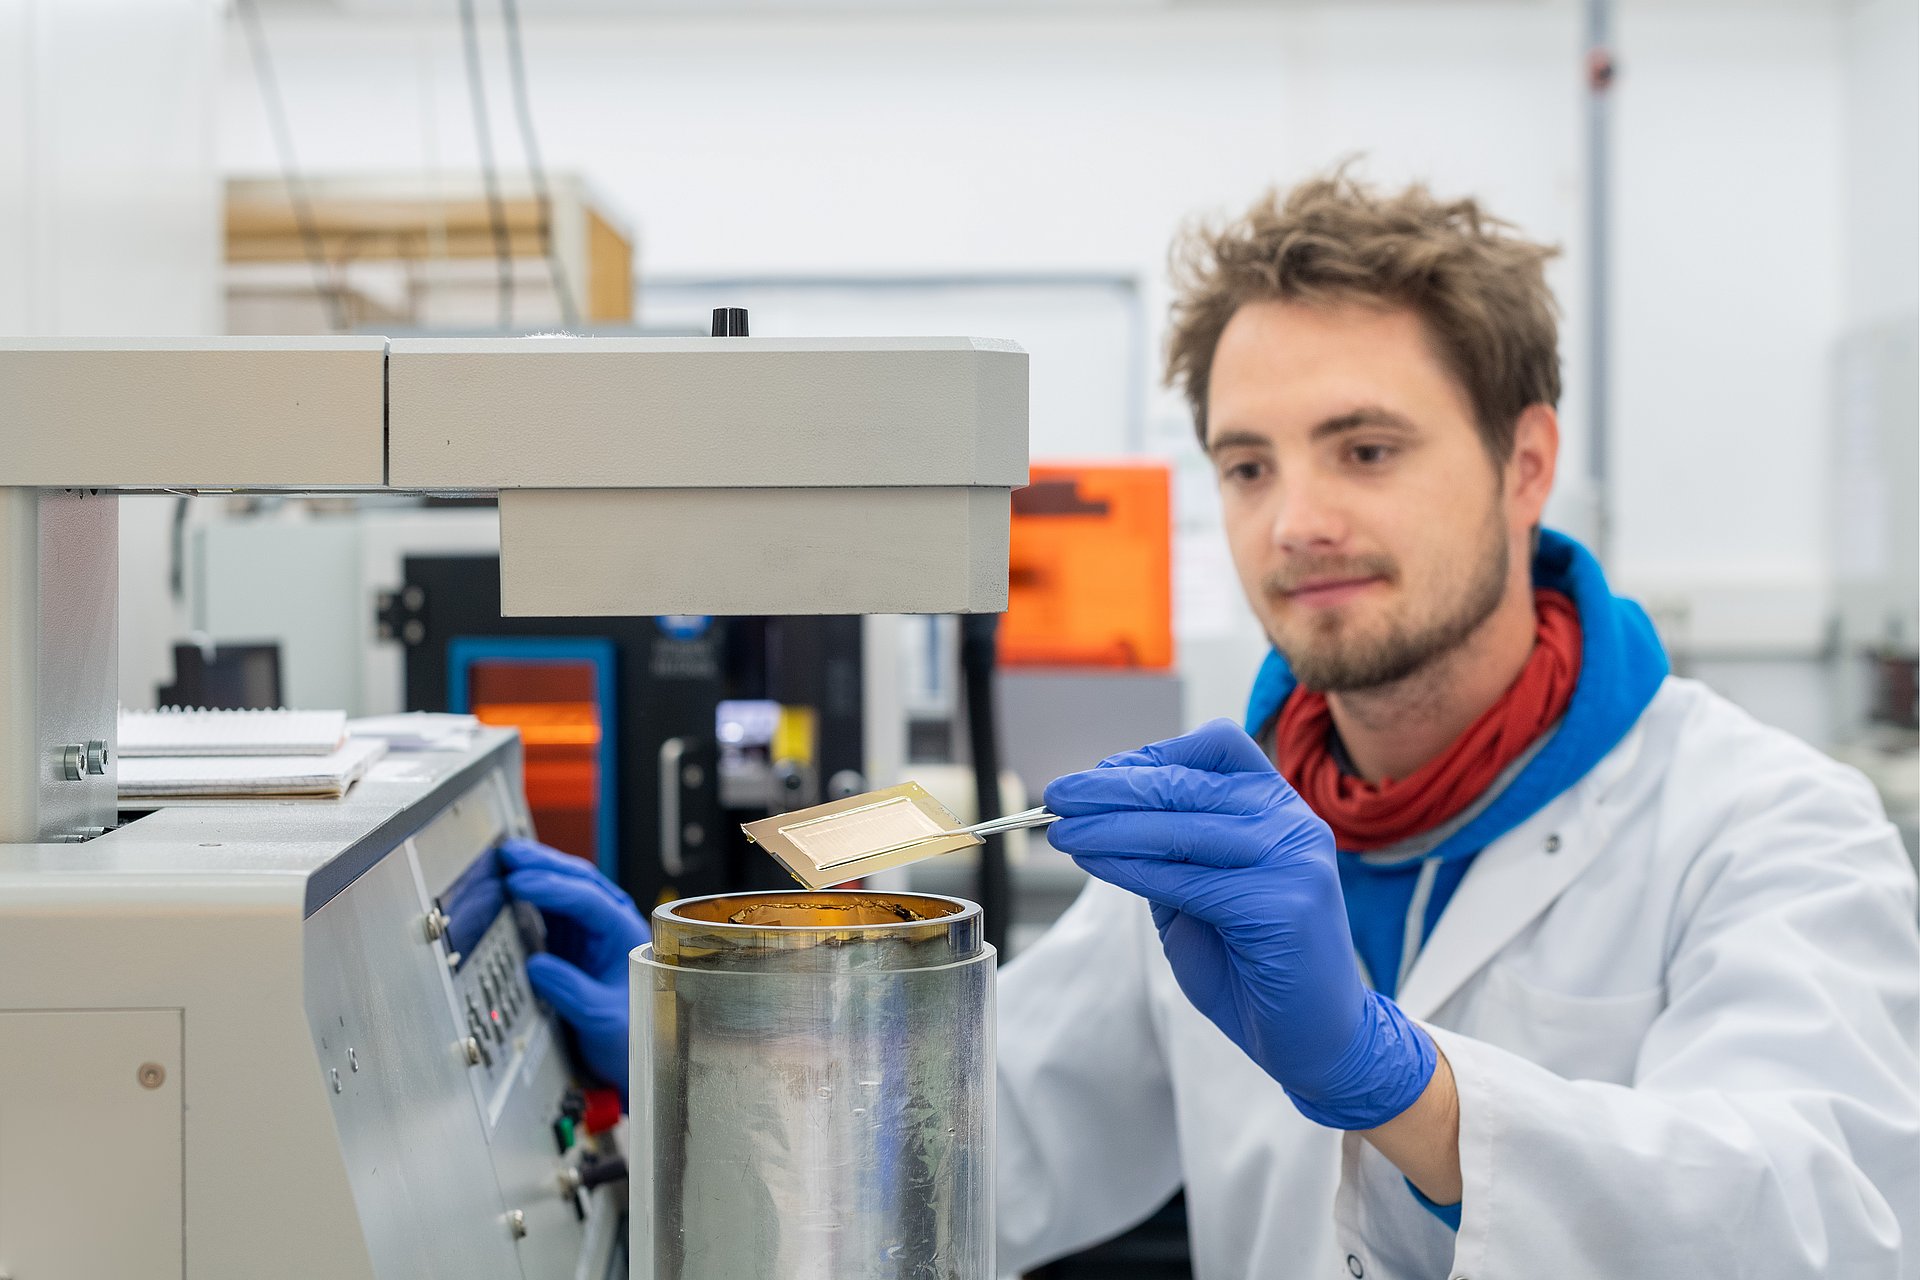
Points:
[(1034, 817)]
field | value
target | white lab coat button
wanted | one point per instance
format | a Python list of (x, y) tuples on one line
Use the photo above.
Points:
[(1354, 1268), (1553, 843)]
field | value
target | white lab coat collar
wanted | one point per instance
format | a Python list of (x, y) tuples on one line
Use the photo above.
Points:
[(1513, 880)]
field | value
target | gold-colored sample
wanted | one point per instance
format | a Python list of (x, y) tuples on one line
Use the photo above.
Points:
[(843, 840)]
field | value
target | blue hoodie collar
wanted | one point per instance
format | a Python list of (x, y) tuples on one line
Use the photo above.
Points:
[(1621, 667)]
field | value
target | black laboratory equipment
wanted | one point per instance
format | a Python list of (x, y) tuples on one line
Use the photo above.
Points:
[(648, 741)]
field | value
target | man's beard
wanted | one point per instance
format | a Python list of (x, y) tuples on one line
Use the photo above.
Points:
[(1330, 662)]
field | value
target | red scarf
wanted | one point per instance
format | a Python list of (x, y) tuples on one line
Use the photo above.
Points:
[(1366, 815)]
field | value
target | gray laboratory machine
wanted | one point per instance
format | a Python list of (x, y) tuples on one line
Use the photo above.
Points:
[(293, 1038)]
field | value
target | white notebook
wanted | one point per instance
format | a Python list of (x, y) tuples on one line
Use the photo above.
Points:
[(156, 777), (179, 731)]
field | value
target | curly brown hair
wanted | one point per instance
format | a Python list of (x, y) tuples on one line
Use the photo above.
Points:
[(1480, 290)]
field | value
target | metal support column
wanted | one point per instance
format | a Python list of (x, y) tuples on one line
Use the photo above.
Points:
[(59, 663), (19, 666), (1600, 75)]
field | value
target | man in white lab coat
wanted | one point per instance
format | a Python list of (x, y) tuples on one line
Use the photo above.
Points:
[(1528, 959), (1547, 963)]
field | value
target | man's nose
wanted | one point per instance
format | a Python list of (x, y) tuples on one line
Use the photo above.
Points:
[(1307, 518)]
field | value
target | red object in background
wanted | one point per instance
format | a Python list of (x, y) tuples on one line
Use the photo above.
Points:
[(553, 706), (602, 1110), (1090, 578)]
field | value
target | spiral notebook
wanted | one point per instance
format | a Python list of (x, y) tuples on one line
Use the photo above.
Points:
[(182, 731)]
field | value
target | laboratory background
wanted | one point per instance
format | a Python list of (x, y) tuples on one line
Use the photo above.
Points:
[(1732, 185)]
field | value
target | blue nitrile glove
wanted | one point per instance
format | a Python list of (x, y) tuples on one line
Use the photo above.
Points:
[(1246, 895), (591, 926)]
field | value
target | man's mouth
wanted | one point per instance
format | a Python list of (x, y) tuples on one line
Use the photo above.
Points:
[(1325, 593)]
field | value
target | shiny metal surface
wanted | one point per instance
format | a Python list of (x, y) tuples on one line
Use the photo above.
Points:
[(815, 930), (325, 1122), (813, 1076), (58, 666)]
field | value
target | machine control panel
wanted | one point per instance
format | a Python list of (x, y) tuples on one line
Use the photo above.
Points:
[(425, 957), (508, 1035)]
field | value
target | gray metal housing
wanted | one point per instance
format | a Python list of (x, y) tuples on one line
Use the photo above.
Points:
[(232, 1048), (636, 477)]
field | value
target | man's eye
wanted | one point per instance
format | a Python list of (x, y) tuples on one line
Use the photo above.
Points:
[(1244, 472), (1371, 454)]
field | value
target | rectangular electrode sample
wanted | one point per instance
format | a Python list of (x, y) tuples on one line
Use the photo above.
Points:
[(859, 833), (843, 840)]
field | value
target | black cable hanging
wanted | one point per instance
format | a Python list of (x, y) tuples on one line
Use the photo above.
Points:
[(536, 168), (296, 185), (489, 173), (979, 649)]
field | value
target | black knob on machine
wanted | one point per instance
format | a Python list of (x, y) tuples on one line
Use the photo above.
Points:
[(729, 322)]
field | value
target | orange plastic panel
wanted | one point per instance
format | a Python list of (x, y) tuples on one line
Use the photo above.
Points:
[(552, 704), (1090, 581)]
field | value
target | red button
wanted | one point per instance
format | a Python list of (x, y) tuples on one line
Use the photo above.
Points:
[(602, 1111)]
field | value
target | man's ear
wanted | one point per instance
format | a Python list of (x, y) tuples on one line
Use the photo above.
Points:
[(1530, 468)]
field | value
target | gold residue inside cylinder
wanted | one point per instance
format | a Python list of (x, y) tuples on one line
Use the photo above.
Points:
[(706, 931), (815, 910), (824, 914)]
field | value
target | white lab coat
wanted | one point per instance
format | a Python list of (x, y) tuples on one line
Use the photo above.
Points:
[(1682, 1004)]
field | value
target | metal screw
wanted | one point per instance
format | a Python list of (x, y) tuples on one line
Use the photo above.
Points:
[(96, 757), (692, 776), (694, 836), (436, 925), (517, 1224), (73, 761), (353, 1059), (333, 1074), (151, 1075), (472, 1047)]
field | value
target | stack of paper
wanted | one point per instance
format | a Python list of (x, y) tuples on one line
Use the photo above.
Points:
[(419, 730), (195, 752), (158, 777)]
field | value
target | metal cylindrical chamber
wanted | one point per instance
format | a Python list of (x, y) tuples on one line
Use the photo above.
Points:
[(812, 1089)]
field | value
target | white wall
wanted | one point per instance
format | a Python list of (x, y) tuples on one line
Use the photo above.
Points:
[(1881, 38), (1001, 144), (1729, 245), (109, 204), (1876, 531), (110, 218)]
